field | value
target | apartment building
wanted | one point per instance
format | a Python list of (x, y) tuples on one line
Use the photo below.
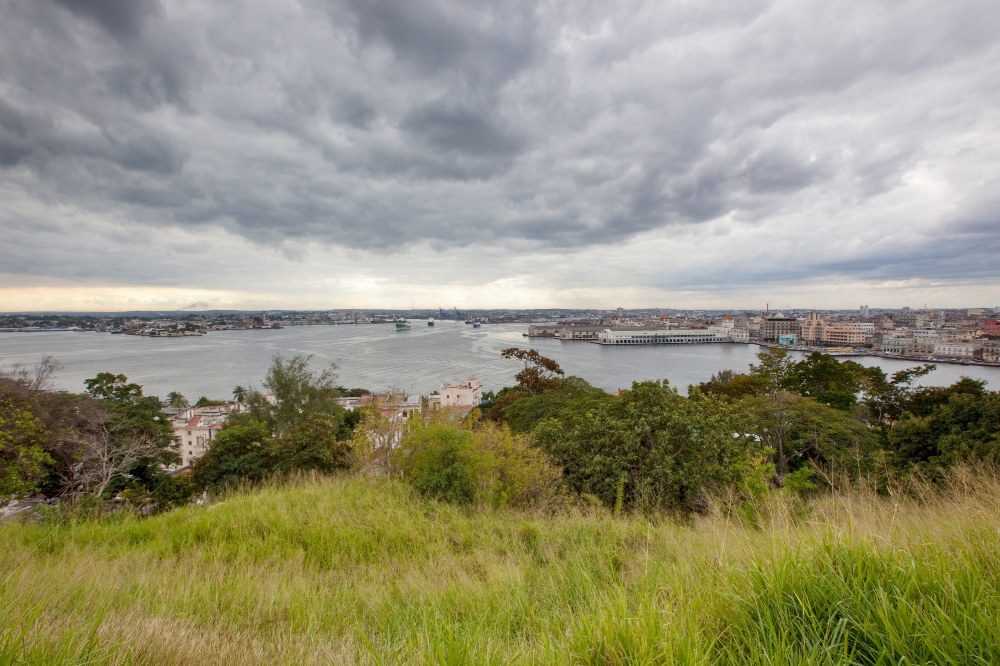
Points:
[(843, 334)]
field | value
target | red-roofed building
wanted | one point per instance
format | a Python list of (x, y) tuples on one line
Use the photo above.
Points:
[(992, 327)]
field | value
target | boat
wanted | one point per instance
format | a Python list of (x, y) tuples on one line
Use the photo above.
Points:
[(402, 327), (476, 324), (430, 322)]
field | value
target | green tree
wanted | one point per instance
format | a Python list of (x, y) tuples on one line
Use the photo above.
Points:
[(239, 453), (957, 424), (572, 399), (175, 399), (798, 429), (651, 448), (773, 370), (440, 462), (24, 463), (827, 380), (311, 445), (240, 394), (205, 401), (298, 392), (129, 439)]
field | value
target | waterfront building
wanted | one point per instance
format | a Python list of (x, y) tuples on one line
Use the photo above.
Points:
[(741, 335), (992, 327), (661, 337), (964, 350), (777, 325), (812, 327), (788, 340), (843, 334), (898, 346), (991, 351)]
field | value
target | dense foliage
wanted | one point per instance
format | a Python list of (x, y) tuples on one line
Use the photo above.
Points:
[(783, 423)]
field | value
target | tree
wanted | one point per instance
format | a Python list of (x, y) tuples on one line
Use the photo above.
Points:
[(649, 448), (175, 399), (539, 373), (205, 401), (129, 437), (240, 394), (24, 463), (298, 392), (374, 440), (239, 453), (311, 445), (773, 369), (949, 426), (826, 379), (572, 399), (798, 429), (110, 451)]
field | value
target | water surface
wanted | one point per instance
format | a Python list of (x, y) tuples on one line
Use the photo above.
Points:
[(378, 357)]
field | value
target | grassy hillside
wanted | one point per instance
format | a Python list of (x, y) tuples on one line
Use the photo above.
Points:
[(350, 570)]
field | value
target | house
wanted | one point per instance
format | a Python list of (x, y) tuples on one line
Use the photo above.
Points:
[(195, 435), (468, 394)]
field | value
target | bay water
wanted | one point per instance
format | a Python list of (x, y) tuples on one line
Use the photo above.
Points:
[(378, 357)]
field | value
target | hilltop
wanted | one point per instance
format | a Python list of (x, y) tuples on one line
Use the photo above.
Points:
[(351, 570)]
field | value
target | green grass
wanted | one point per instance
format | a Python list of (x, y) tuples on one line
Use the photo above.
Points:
[(350, 570)]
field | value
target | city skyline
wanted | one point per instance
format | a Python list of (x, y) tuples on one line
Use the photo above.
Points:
[(166, 155)]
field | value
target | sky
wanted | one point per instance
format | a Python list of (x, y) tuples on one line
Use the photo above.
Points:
[(324, 154)]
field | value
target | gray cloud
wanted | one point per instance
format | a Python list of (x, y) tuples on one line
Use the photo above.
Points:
[(560, 127)]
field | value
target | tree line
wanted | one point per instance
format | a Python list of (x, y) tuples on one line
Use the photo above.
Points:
[(546, 440)]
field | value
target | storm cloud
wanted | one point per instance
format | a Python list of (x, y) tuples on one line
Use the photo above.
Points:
[(746, 142)]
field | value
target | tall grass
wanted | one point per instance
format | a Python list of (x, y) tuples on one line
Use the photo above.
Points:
[(350, 570)]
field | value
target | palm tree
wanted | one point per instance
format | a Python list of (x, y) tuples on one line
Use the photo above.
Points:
[(240, 394), (175, 399)]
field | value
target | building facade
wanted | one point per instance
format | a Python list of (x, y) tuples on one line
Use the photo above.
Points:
[(468, 394), (671, 337), (958, 350), (843, 334), (771, 328), (812, 327)]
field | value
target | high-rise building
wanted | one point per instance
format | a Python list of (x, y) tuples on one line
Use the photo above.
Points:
[(863, 311)]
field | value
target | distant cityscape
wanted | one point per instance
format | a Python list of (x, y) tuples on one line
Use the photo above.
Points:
[(968, 335)]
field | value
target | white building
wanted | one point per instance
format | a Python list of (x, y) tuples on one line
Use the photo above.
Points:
[(671, 337), (741, 335), (469, 394), (195, 435), (957, 350), (866, 326), (924, 333)]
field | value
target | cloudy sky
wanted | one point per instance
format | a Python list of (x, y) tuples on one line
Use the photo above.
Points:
[(338, 153)]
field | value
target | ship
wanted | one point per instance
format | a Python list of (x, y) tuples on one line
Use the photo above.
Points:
[(430, 322), (476, 324), (402, 327)]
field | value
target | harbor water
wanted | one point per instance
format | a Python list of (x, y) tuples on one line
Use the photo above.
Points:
[(378, 357)]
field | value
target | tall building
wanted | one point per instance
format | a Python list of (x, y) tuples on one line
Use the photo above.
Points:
[(812, 327), (774, 326), (863, 310)]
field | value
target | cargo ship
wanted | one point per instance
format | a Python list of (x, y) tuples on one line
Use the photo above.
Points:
[(402, 327)]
